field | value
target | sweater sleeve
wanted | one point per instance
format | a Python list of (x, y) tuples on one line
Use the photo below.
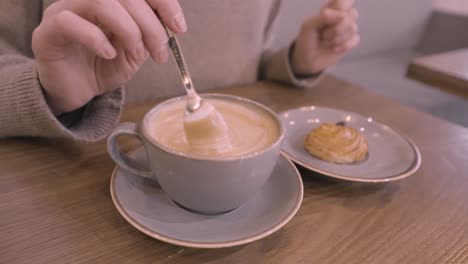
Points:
[(23, 106), (276, 65)]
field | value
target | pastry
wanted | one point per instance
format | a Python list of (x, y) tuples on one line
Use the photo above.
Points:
[(336, 143)]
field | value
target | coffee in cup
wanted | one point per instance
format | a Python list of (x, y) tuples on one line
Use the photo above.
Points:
[(249, 129)]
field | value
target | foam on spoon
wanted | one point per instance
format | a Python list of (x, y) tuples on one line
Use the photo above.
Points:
[(206, 130)]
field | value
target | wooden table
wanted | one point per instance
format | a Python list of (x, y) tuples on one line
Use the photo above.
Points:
[(55, 205), (447, 71)]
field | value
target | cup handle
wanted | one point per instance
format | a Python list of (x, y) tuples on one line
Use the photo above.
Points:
[(129, 129)]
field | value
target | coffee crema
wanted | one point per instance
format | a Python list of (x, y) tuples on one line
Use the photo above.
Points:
[(249, 129)]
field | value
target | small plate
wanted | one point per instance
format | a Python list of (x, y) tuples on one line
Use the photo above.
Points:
[(391, 155), (146, 207)]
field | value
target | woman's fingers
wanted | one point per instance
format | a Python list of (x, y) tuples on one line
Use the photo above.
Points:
[(131, 22), (66, 27), (154, 35), (340, 4), (348, 45), (110, 16), (339, 33), (171, 13)]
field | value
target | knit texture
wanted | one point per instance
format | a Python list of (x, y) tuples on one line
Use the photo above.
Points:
[(24, 110)]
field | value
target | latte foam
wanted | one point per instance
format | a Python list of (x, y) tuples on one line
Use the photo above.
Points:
[(248, 127)]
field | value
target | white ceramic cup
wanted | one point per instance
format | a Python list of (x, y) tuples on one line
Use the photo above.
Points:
[(206, 185)]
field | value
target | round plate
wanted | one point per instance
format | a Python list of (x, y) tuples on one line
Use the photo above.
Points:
[(391, 155), (146, 207)]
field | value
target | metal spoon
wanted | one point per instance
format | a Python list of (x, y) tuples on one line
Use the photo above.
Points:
[(200, 115), (194, 101)]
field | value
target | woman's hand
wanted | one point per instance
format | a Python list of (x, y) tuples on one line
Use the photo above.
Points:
[(326, 37), (84, 48)]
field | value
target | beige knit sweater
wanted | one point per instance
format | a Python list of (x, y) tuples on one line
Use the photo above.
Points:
[(227, 44)]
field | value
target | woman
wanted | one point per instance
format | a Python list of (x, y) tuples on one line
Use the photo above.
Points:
[(63, 63)]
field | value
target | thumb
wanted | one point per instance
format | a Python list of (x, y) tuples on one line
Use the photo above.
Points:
[(341, 5), (326, 17)]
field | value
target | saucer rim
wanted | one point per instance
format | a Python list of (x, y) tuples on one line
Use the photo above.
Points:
[(224, 244), (412, 169)]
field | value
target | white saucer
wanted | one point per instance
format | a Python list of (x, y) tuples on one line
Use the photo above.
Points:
[(392, 156), (146, 207)]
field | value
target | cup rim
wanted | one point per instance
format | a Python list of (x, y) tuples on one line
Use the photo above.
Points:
[(143, 128)]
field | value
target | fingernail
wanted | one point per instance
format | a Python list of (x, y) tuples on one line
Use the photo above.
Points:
[(179, 23), (162, 55), (141, 51), (109, 51)]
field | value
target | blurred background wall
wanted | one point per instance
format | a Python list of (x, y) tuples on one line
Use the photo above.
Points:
[(392, 33)]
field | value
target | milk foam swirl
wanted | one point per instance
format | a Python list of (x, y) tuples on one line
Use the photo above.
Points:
[(249, 130)]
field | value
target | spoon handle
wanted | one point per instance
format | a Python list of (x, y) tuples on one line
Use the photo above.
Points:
[(180, 61)]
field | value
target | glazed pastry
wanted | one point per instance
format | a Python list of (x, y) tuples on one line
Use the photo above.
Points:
[(337, 144)]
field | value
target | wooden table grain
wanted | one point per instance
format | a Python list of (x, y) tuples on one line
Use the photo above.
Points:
[(55, 205), (447, 71)]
